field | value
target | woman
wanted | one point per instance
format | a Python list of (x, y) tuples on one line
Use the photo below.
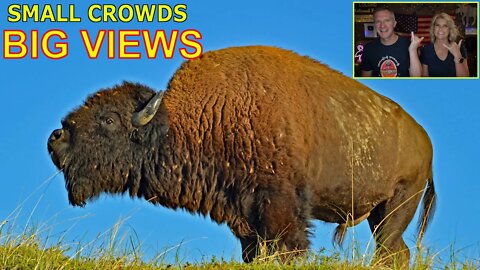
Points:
[(444, 57)]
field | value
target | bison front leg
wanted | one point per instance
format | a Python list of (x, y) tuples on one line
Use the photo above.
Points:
[(249, 248), (280, 223)]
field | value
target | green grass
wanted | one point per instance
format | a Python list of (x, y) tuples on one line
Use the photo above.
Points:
[(31, 249), (38, 247)]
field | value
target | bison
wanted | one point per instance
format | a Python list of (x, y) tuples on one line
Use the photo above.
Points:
[(259, 138)]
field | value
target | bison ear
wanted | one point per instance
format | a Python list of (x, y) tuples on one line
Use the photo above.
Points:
[(144, 116)]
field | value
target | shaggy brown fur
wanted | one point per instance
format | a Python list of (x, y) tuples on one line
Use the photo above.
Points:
[(259, 138)]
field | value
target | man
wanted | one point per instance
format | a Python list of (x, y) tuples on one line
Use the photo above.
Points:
[(390, 55)]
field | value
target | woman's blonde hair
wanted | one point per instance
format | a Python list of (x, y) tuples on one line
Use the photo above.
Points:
[(453, 32)]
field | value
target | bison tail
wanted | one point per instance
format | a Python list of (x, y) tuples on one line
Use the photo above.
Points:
[(427, 210)]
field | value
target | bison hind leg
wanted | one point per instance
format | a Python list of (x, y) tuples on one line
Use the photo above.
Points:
[(388, 221)]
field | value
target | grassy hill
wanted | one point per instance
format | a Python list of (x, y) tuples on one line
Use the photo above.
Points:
[(27, 251)]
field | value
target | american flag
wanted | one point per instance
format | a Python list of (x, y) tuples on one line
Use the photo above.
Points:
[(420, 25), (424, 28), (406, 23)]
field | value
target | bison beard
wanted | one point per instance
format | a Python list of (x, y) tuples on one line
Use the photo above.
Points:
[(259, 138)]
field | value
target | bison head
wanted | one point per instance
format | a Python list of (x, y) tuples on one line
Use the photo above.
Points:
[(102, 142)]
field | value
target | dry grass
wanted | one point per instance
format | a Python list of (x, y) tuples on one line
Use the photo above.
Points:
[(33, 247), (112, 250)]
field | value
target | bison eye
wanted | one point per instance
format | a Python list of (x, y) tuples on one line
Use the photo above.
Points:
[(109, 121)]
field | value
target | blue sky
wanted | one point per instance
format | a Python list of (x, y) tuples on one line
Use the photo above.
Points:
[(36, 94)]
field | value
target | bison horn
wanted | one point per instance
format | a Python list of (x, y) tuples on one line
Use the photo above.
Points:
[(144, 116)]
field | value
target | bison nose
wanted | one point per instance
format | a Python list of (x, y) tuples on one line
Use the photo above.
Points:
[(56, 135)]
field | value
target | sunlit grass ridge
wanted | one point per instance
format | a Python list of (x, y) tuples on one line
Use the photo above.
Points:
[(38, 246), (32, 249)]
